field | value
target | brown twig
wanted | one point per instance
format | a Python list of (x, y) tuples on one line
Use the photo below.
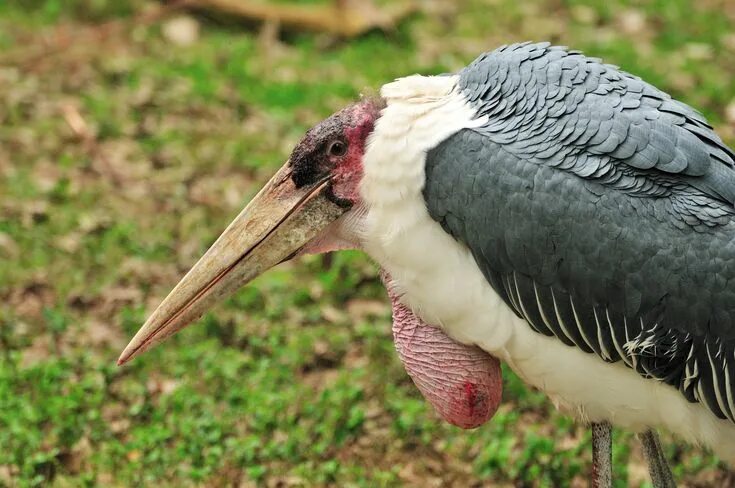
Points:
[(344, 18), (76, 122), (87, 138)]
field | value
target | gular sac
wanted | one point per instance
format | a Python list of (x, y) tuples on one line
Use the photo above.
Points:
[(463, 383)]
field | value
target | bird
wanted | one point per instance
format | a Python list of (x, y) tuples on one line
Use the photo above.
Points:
[(537, 207)]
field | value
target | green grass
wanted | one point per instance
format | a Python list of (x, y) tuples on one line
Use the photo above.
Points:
[(294, 379)]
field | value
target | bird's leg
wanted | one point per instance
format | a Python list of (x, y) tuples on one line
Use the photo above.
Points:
[(658, 467), (601, 455)]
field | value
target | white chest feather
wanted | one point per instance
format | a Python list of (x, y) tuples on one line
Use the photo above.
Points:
[(444, 286)]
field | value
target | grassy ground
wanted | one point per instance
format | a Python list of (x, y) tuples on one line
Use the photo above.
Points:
[(123, 154)]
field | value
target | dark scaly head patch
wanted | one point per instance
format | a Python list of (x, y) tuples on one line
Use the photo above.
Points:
[(334, 148)]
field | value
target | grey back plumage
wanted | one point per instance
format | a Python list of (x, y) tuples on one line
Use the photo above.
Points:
[(601, 210)]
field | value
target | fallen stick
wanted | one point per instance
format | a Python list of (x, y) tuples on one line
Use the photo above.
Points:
[(343, 18)]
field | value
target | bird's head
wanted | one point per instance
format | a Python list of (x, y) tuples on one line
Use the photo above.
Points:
[(334, 149), (308, 206)]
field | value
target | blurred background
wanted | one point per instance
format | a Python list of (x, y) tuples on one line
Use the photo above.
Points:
[(133, 131)]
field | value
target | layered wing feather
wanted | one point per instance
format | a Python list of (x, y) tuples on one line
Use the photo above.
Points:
[(601, 210)]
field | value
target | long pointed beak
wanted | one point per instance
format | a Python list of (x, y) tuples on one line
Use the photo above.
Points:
[(278, 222)]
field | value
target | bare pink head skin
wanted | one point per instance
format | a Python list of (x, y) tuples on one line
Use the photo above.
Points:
[(463, 383), (335, 147)]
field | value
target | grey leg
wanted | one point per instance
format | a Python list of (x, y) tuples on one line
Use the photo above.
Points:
[(658, 467), (601, 455)]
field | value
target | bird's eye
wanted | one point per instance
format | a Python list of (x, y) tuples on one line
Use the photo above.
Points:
[(337, 148)]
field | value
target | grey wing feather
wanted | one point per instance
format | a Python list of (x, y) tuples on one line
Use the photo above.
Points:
[(601, 211), (562, 102)]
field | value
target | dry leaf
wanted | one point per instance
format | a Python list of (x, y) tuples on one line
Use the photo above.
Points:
[(729, 117), (361, 309), (632, 21), (181, 31), (8, 246)]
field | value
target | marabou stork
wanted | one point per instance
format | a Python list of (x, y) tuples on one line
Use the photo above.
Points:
[(538, 207)]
